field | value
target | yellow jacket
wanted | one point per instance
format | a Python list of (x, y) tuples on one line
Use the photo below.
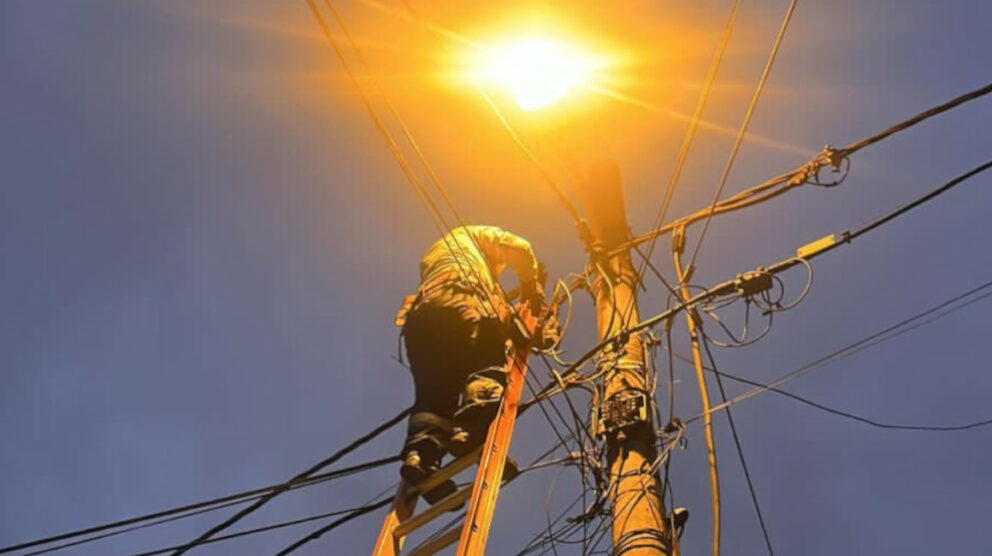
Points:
[(462, 270)]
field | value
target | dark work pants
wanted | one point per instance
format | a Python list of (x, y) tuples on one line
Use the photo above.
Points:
[(444, 349)]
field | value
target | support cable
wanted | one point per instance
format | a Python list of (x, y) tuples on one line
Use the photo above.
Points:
[(190, 510), (860, 418), (743, 130), (883, 335), (348, 515), (435, 180), (804, 174), (334, 525), (548, 178), (428, 168), (545, 173), (847, 237), (690, 132)]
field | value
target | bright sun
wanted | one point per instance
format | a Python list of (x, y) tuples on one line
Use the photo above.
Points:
[(537, 72)]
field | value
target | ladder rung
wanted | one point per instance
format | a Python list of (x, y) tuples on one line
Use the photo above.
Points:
[(450, 470), (438, 544), (449, 502)]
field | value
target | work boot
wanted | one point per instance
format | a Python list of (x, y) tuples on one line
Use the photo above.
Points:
[(414, 470), (511, 470), (440, 492), (678, 519)]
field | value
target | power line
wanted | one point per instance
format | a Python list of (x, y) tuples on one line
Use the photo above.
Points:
[(191, 510), (784, 182), (197, 508), (831, 242), (883, 335), (892, 332), (302, 476), (683, 276), (440, 223), (428, 168), (372, 507), (848, 236), (348, 516), (132, 528), (728, 287), (335, 524), (690, 132), (548, 178), (953, 103), (743, 130)]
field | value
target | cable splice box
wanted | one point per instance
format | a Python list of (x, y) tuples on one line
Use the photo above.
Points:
[(624, 409)]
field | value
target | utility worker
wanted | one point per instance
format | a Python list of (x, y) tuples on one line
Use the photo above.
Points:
[(456, 330)]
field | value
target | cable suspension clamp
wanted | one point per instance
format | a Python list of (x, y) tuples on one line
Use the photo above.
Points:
[(836, 159)]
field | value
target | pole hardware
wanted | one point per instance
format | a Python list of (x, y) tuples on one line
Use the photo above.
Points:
[(753, 282), (623, 410)]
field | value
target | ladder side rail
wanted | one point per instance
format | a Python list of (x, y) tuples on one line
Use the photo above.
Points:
[(404, 503), (475, 530)]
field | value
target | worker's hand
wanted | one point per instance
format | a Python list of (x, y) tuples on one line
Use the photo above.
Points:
[(531, 294), (549, 335), (542, 275)]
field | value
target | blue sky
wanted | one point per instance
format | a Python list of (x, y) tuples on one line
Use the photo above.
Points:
[(204, 242)]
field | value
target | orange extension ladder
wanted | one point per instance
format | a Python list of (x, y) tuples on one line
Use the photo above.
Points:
[(474, 532)]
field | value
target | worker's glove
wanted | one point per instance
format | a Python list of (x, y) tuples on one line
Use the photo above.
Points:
[(549, 335), (542, 275), (531, 294)]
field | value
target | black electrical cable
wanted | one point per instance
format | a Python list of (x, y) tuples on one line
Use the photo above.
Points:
[(848, 236), (883, 335), (300, 477), (795, 177), (348, 516), (335, 524), (210, 506), (865, 420), (198, 507), (742, 132), (690, 133), (140, 526), (972, 95), (852, 416), (359, 512)]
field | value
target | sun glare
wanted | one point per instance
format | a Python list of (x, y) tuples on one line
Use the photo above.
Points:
[(536, 72)]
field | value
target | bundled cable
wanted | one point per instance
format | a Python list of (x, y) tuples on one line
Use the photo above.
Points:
[(301, 477)]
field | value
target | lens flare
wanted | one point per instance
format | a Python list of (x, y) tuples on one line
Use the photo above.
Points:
[(535, 71)]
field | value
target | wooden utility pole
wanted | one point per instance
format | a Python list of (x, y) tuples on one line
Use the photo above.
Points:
[(624, 413)]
